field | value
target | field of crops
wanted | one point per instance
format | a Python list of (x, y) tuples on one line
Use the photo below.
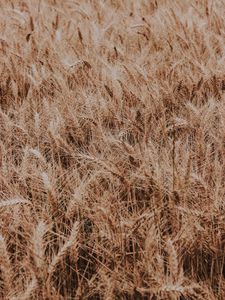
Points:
[(112, 149)]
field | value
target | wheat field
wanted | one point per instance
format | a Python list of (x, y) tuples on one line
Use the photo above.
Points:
[(112, 149)]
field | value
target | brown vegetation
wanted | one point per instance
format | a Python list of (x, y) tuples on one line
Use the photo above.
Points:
[(112, 149)]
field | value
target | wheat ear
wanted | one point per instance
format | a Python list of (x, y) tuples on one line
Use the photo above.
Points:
[(5, 265), (38, 244), (72, 242)]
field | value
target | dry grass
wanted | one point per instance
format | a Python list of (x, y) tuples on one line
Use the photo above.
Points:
[(112, 149)]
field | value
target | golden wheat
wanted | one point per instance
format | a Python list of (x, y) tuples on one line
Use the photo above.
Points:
[(112, 149)]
